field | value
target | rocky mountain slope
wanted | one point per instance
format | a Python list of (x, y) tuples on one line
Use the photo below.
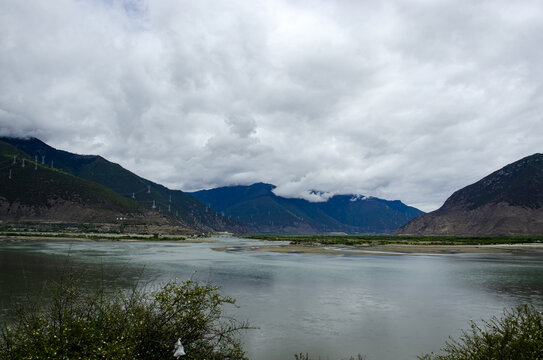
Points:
[(176, 205), (258, 207), (508, 201)]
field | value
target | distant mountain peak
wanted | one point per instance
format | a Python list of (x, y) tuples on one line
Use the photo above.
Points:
[(358, 197), (517, 184), (260, 208)]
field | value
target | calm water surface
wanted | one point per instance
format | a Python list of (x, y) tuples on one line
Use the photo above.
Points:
[(332, 306)]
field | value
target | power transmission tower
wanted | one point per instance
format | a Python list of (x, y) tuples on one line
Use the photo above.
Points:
[(133, 195), (43, 159), (36, 162), (148, 189), (10, 174), (23, 163), (154, 205), (14, 159)]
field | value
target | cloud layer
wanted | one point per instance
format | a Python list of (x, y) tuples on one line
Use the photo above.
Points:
[(401, 99)]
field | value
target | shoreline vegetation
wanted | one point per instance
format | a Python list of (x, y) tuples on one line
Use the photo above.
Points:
[(62, 236), (394, 249), (397, 245), (399, 239), (322, 244)]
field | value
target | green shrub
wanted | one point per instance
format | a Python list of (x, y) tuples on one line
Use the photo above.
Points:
[(518, 335), (142, 323)]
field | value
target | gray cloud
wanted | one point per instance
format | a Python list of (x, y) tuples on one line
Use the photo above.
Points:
[(405, 100)]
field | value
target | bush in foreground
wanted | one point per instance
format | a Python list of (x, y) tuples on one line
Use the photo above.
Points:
[(135, 324), (518, 335)]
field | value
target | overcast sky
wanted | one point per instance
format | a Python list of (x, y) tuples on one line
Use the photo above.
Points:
[(406, 99)]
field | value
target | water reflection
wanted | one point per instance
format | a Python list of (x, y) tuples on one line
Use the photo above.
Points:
[(333, 306), (26, 275)]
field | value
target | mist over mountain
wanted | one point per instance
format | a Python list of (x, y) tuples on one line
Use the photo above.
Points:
[(508, 201), (258, 207)]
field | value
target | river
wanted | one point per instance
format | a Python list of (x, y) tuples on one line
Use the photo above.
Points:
[(330, 306)]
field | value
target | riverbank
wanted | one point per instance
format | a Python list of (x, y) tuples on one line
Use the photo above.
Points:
[(378, 246), (33, 236), (534, 249)]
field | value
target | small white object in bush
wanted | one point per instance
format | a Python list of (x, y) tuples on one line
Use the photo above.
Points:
[(179, 350)]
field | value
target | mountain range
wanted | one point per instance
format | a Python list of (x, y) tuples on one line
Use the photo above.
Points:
[(69, 187), (258, 207), (161, 204), (46, 187), (509, 201)]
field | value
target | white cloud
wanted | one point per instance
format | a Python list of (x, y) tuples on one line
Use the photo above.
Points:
[(405, 100)]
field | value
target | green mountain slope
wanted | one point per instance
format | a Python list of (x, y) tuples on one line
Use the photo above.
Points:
[(508, 201), (173, 203), (35, 192), (257, 206)]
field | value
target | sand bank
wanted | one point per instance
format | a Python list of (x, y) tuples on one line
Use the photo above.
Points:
[(395, 249)]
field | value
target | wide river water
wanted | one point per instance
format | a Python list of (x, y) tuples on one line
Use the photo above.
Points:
[(330, 306)]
